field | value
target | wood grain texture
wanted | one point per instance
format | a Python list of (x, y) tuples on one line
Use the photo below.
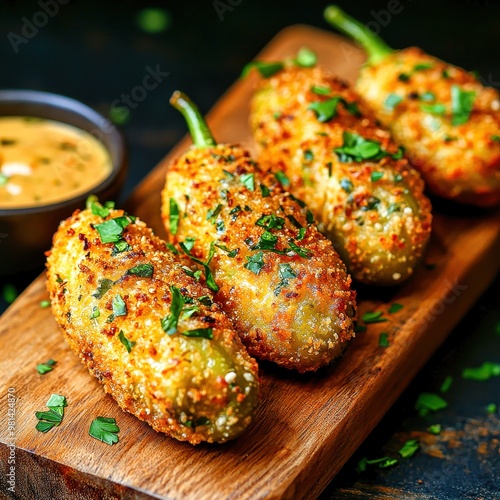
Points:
[(306, 427)]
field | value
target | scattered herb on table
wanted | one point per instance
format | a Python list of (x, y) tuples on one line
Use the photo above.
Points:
[(484, 372), (46, 367), (373, 317), (52, 418), (395, 307), (409, 448), (434, 429), (383, 340), (491, 408), (9, 293), (104, 429), (446, 384), (428, 401)]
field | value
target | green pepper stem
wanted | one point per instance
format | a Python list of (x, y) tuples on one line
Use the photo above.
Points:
[(376, 48), (198, 128)]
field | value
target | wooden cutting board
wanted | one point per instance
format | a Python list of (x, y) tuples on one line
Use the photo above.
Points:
[(306, 427)]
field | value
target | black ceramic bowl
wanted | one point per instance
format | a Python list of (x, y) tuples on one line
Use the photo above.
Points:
[(26, 233)]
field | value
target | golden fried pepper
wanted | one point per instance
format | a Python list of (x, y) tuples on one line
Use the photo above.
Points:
[(277, 278), (446, 119), (365, 195), (148, 331)]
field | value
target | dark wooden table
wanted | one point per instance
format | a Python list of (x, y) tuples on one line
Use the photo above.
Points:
[(96, 52)]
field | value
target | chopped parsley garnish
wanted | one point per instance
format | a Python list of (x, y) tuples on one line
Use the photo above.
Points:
[(392, 101), (282, 178), (97, 209), (409, 448), (360, 328), (267, 241), (193, 274), (428, 401), (52, 418), (255, 263), (264, 191), (357, 149), (371, 204), (3, 179), (271, 222), (230, 253), (294, 221), (346, 185), (46, 367), (297, 200), (445, 386), (220, 226), (434, 109), (189, 243), (423, 66), (383, 463), (213, 213), (308, 155), (104, 429), (44, 304), (110, 231), (495, 138), (205, 333), (427, 96), (492, 408), (103, 287), (142, 270), (434, 429), (172, 248), (462, 102), (210, 281), (375, 176), (173, 216), (302, 252), (95, 313), (395, 307), (9, 293), (285, 273), (373, 317), (265, 68), (326, 110), (301, 234), (248, 180), (121, 246), (484, 372), (309, 217), (119, 306), (383, 340), (320, 90), (306, 58), (125, 341), (169, 322)]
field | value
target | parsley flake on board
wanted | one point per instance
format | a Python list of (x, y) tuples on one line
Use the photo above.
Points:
[(104, 429), (383, 463), (395, 307), (306, 58), (46, 367), (265, 68), (44, 304), (125, 341), (383, 340), (373, 317), (492, 408), (52, 418)]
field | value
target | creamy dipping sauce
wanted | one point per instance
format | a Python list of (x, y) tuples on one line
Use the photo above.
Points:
[(43, 161)]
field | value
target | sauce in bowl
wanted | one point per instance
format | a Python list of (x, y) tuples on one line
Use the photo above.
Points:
[(44, 161)]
